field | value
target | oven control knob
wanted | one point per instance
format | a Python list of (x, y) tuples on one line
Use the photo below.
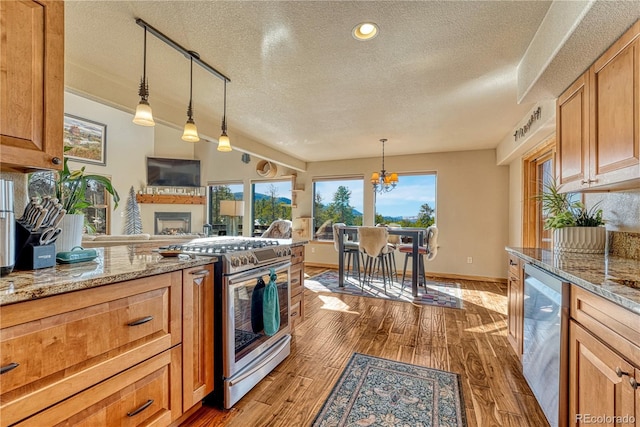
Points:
[(244, 260), (288, 251), (235, 261)]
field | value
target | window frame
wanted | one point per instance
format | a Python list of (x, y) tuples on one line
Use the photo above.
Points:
[(315, 226)]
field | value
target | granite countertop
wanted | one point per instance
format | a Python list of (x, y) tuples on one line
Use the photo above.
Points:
[(113, 264), (614, 278)]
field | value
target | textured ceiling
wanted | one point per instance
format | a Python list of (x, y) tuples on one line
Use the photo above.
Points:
[(440, 76)]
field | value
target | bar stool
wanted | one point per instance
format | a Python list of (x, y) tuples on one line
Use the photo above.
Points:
[(373, 244), (430, 249), (350, 249)]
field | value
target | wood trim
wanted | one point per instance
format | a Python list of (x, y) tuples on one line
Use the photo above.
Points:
[(171, 199), (529, 204)]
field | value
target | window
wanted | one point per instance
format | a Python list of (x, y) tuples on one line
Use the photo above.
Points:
[(222, 225), (411, 204), (538, 170), (336, 200), (96, 216), (271, 201)]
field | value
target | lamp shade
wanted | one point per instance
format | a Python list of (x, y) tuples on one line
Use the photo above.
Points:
[(143, 116), (190, 132), (223, 143), (232, 207)]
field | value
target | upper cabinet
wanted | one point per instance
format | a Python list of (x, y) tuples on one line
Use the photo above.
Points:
[(31, 84), (598, 122)]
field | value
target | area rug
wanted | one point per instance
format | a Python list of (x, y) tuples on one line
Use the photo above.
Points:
[(375, 391), (439, 294)]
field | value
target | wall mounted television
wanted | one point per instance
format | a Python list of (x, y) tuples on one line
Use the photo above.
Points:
[(173, 172)]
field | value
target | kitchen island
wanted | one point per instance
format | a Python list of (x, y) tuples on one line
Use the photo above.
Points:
[(127, 337)]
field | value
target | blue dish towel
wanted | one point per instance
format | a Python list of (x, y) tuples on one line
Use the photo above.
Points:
[(271, 305)]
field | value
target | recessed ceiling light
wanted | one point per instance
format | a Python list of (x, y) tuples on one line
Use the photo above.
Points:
[(365, 31)]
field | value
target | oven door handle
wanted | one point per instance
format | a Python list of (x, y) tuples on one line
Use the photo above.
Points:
[(275, 350), (257, 273)]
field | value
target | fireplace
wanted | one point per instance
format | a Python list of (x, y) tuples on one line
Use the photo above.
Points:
[(172, 223)]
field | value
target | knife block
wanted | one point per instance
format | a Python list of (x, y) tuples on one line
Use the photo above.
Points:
[(30, 254)]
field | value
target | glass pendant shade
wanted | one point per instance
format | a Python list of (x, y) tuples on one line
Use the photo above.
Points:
[(223, 143), (143, 116), (190, 133)]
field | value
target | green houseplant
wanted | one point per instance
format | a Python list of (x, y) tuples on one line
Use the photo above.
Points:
[(575, 228), (70, 189)]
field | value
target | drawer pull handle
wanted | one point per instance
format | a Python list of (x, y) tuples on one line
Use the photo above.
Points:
[(9, 367), (620, 372), (512, 263), (200, 273), (634, 383), (140, 409), (141, 321)]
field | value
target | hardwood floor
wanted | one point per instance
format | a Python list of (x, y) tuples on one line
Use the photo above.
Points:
[(471, 342)]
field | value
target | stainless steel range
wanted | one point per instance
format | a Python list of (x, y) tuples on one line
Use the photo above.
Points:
[(251, 345)]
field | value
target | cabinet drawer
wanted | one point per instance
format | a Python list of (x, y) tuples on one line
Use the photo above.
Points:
[(146, 394), (297, 255), (610, 322), (296, 304), (86, 337), (296, 281)]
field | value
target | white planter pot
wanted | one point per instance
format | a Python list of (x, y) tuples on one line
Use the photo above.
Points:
[(71, 235), (586, 240)]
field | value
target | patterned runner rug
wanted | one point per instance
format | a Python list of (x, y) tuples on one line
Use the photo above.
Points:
[(375, 391), (439, 294)]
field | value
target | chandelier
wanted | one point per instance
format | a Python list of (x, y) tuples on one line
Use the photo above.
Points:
[(383, 182)]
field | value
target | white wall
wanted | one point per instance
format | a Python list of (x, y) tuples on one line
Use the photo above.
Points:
[(128, 145)]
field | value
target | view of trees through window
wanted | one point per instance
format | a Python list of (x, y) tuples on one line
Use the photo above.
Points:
[(336, 201), (411, 204), (271, 201), (217, 193)]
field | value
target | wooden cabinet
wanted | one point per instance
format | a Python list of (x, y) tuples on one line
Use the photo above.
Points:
[(66, 345), (598, 380), (197, 340), (515, 315), (31, 84), (572, 134), (146, 394), (604, 361), (598, 122), (296, 281)]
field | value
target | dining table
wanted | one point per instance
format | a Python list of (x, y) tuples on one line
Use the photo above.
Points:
[(417, 239)]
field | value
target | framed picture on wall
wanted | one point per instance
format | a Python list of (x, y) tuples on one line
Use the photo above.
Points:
[(87, 140)]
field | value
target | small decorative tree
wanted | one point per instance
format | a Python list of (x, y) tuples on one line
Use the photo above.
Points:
[(133, 222)]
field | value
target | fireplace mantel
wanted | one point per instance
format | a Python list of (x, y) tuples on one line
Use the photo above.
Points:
[(171, 199)]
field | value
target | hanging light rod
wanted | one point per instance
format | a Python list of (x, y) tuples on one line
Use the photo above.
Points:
[(185, 52)]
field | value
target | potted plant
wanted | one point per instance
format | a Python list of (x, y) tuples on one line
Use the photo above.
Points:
[(575, 228), (70, 190)]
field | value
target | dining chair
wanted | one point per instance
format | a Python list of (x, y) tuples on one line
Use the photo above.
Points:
[(393, 243), (350, 249), (428, 250), (374, 246)]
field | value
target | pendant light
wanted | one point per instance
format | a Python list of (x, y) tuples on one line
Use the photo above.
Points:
[(383, 182), (223, 141), (143, 116), (190, 130)]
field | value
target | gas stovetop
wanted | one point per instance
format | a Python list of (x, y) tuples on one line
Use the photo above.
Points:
[(238, 253)]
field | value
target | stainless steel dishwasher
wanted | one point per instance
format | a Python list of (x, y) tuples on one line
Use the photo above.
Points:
[(545, 346)]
